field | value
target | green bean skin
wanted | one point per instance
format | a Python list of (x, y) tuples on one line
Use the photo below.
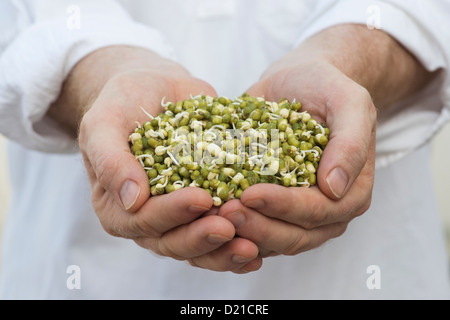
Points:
[(191, 144)]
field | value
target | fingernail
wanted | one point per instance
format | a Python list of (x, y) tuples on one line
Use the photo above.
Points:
[(337, 181), (217, 239), (129, 193), (194, 209), (211, 212), (239, 259), (237, 219), (255, 204)]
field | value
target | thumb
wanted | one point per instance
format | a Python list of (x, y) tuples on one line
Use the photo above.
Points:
[(112, 169), (352, 123)]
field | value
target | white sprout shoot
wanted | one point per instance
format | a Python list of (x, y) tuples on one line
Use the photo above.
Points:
[(255, 144), (263, 164), (194, 183), (134, 136), (209, 99), (159, 177), (178, 185), (247, 125), (196, 97), (196, 123), (321, 128), (273, 106), (289, 174), (164, 104), (173, 158), (304, 183), (231, 194), (160, 150), (140, 157), (167, 172), (222, 128), (148, 114), (260, 124), (256, 157), (159, 185), (284, 113), (181, 114), (214, 136), (217, 201), (303, 152), (273, 116), (154, 134)]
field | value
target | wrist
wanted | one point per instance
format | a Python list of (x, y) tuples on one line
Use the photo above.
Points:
[(89, 77), (371, 58)]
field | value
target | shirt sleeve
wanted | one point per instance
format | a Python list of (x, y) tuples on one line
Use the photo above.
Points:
[(36, 62), (422, 28)]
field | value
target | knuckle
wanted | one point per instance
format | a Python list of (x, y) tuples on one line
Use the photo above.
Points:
[(364, 208), (82, 140), (353, 147), (265, 253), (148, 244), (313, 221), (298, 244), (103, 207), (359, 154), (371, 109), (143, 227), (105, 165), (113, 228), (193, 263), (262, 236), (112, 231), (318, 214), (164, 249), (358, 206), (372, 114), (340, 230), (87, 122)]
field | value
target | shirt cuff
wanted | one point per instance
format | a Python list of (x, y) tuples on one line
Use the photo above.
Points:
[(416, 121), (34, 67)]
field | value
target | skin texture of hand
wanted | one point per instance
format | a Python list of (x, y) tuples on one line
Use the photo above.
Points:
[(177, 225), (338, 75)]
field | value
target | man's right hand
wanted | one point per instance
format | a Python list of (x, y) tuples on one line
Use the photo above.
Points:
[(175, 225)]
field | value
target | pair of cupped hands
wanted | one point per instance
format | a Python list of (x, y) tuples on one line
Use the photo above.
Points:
[(268, 220)]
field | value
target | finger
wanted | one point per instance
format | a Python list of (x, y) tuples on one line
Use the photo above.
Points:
[(259, 89), (274, 236), (157, 216), (191, 240), (165, 212), (239, 256), (304, 207), (169, 225), (109, 162), (351, 116), (309, 207)]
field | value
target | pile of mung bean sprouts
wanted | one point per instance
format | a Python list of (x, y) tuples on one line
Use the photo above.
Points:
[(225, 146)]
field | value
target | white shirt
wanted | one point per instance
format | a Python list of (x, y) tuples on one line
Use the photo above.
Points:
[(228, 43)]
